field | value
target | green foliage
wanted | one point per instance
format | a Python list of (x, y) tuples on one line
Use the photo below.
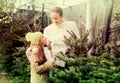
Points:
[(115, 31), (77, 46), (95, 69), (65, 76), (20, 79), (12, 48)]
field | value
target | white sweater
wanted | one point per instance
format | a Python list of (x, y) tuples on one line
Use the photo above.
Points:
[(56, 35)]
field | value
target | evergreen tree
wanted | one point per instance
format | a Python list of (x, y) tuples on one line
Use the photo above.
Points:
[(13, 46), (102, 67)]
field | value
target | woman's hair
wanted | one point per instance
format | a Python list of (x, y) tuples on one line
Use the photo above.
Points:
[(58, 10)]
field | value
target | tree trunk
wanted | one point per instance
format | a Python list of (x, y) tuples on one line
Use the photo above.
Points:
[(89, 25), (108, 23)]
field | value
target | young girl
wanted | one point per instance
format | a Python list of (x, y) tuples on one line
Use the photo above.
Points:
[(35, 54)]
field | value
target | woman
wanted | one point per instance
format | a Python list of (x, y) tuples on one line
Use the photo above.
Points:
[(35, 54), (58, 30)]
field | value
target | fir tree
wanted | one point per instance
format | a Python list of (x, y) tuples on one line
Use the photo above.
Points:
[(102, 67)]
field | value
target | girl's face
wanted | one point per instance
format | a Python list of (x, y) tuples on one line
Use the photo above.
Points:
[(56, 18)]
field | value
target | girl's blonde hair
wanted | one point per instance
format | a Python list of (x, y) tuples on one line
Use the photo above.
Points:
[(33, 37)]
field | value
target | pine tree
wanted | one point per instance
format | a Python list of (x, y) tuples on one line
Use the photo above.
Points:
[(13, 46), (102, 67)]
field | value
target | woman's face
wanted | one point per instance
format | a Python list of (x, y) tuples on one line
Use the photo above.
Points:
[(56, 18)]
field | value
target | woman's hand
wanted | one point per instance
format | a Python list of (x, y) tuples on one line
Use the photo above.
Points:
[(53, 59)]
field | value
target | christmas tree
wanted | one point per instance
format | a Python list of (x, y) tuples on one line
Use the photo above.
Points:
[(13, 46), (103, 66)]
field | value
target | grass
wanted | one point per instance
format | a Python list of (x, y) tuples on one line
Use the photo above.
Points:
[(4, 79)]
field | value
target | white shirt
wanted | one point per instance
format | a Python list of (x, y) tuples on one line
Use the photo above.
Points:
[(56, 35)]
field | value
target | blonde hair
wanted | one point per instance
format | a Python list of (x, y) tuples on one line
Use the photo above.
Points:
[(33, 37)]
